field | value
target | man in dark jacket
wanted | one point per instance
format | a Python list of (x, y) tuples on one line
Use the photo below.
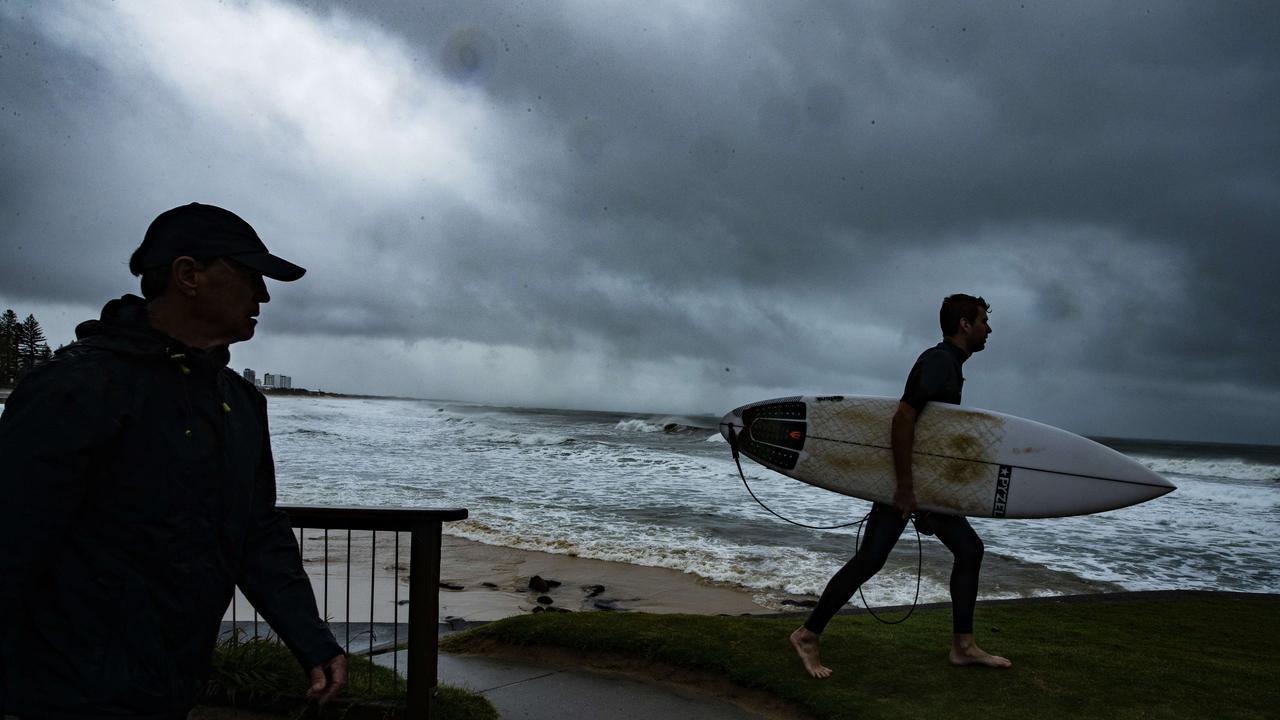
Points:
[(137, 490)]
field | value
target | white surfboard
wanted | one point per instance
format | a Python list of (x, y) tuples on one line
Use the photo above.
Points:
[(965, 462)]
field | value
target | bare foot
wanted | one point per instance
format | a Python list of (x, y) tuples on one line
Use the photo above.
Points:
[(964, 651), (805, 642)]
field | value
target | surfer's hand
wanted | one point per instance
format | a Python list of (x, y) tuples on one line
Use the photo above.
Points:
[(905, 500)]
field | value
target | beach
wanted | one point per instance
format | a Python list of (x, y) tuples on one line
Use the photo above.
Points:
[(495, 583), (481, 582), (650, 510)]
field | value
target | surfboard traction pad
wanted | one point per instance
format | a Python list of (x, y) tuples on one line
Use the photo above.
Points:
[(843, 444)]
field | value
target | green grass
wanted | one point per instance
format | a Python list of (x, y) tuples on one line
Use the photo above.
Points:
[(1197, 656), (263, 675)]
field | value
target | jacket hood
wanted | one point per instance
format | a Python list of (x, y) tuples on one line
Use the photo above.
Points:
[(123, 328)]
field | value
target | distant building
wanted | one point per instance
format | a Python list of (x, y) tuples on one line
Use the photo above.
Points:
[(269, 381)]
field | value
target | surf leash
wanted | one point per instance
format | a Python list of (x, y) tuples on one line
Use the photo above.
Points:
[(733, 446), (919, 570)]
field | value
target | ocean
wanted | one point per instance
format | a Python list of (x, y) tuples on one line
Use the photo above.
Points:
[(663, 491)]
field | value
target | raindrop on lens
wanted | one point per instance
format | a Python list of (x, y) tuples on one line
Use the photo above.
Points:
[(469, 56)]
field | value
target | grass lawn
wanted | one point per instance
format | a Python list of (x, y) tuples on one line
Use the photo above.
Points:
[(263, 676), (1193, 655)]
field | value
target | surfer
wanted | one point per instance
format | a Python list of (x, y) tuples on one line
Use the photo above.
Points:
[(935, 377)]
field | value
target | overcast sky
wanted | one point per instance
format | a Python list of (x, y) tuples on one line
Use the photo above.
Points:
[(683, 206)]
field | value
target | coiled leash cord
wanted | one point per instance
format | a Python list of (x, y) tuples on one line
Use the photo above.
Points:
[(857, 542)]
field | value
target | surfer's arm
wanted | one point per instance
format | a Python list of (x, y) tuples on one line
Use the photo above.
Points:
[(902, 436)]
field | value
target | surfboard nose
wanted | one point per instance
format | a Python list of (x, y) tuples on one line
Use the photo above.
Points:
[(1160, 484), (1139, 485), (1140, 472)]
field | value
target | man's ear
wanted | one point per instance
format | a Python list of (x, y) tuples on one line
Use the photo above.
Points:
[(183, 275)]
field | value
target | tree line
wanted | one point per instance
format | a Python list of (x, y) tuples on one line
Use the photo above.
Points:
[(22, 347)]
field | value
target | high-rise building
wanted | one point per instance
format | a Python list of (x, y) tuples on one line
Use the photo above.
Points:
[(251, 376), (268, 380)]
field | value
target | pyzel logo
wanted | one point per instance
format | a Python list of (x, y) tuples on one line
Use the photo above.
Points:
[(1002, 490)]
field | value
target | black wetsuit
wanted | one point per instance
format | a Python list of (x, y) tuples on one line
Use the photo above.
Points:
[(936, 377)]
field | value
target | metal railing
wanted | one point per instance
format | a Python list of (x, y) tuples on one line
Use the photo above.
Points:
[(423, 575)]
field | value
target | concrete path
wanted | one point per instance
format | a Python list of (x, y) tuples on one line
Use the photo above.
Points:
[(526, 691), (523, 690)]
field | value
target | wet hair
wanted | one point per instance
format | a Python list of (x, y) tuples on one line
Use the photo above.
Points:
[(957, 307), (155, 280)]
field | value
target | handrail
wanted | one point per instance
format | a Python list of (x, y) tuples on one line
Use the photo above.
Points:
[(421, 672), (369, 518)]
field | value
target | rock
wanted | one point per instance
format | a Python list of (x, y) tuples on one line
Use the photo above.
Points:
[(554, 583), (609, 605), (537, 609), (592, 590), (537, 584), (544, 600), (403, 602), (800, 603), (489, 585), (450, 586)]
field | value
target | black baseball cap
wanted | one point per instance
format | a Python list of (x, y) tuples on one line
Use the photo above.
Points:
[(206, 232)]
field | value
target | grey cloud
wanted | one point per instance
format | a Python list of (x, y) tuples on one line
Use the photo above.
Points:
[(728, 189)]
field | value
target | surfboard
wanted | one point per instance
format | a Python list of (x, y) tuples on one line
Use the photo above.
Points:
[(965, 461)]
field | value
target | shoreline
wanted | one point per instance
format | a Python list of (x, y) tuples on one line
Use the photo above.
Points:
[(481, 583), (496, 580)]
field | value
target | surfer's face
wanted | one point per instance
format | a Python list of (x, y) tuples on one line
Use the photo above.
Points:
[(976, 332)]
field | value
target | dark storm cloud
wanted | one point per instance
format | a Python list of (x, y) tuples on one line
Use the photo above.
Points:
[(785, 190), (758, 148)]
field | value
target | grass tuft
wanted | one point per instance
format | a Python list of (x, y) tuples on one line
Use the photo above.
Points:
[(260, 674)]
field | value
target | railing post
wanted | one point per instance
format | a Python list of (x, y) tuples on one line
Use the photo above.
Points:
[(424, 619)]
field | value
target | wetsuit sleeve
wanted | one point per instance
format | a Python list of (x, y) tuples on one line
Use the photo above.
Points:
[(56, 426), (928, 379), (273, 578)]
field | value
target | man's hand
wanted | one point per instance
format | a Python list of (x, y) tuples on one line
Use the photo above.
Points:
[(329, 679), (905, 500)]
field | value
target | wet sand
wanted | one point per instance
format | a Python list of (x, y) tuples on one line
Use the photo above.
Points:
[(480, 582), (485, 582)]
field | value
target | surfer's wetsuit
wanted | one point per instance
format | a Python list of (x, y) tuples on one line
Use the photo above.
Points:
[(936, 377)]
